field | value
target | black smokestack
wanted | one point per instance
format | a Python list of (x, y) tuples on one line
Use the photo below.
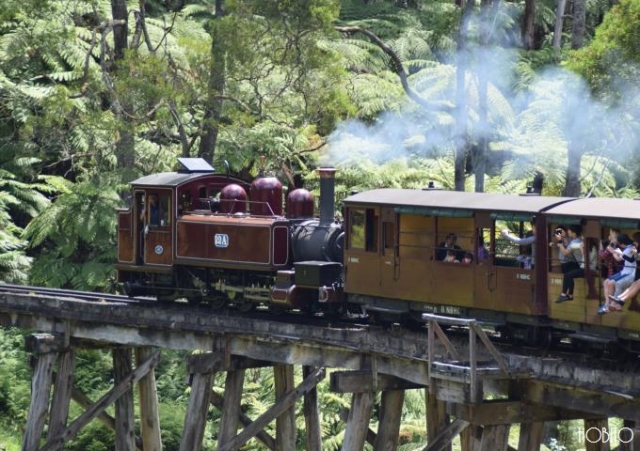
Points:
[(327, 195)]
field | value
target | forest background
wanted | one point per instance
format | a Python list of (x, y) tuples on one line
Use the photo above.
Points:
[(473, 96)]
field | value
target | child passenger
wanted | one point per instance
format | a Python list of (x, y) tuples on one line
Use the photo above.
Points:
[(451, 257)]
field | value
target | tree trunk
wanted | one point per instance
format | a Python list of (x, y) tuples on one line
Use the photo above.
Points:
[(217, 78), (528, 25), (572, 185), (579, 23), (479, 159), (125, 146), (462, 139), (557, 31), (119, 12)]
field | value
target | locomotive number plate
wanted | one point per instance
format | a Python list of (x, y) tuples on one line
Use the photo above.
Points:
[(221, 240)]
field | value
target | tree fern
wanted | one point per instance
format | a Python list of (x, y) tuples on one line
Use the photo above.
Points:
[(19, 201), (75, 237)]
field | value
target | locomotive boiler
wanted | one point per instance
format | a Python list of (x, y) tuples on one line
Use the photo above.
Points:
[(216, 239)]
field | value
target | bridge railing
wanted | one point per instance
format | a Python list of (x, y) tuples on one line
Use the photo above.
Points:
[(459, 368)]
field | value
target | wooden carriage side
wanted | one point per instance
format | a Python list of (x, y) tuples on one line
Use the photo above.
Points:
[(392, 257)]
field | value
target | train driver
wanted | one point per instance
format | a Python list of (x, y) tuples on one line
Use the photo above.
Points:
[(154, 211)]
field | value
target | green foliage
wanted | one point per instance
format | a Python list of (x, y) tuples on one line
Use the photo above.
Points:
[(75, 237), (15, 389), (19, 201), (93, 437), (610, 61)]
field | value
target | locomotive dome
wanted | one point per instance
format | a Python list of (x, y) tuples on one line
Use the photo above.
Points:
[(300, 204), (233, 199), (266, 196)]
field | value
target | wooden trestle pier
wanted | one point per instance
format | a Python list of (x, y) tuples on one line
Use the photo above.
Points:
[(472, 390)]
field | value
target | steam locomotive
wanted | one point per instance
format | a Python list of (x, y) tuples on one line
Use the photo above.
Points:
[(220, 240), (223, 241)]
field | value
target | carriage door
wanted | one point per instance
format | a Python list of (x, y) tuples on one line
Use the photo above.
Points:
[(157, 221), (389, 261), (362, 256), (486, 280)]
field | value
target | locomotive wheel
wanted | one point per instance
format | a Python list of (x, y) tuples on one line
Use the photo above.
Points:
[(217, 301), (245, 305)]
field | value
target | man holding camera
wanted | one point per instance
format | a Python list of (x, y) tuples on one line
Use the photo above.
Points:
[(567, 262)]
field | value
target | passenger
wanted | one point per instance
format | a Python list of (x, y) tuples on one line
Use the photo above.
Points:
[(526, 241), (449, 243), (634, 288), (567, 262), (483, 253), (451, 257), (629, 293), (527, 260), (636, 242), (575, 252), (609, 264), (468, 258), (620, 281)]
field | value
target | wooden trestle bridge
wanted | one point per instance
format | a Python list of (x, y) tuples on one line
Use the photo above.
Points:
[(472, 389)]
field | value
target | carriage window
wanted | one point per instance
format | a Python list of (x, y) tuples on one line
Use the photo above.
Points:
[(363, 229), (514, 244), (185, 202), (455, 240)]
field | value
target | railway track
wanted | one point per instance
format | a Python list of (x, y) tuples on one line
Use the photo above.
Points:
[(259, 313)]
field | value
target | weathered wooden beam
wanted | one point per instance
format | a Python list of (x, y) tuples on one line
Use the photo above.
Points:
[(231, 409), (371, 434), (530, 436), (389, 420), (40, 391), (273, 412), (575, 398), (491, 413), (361, 381), (266, 439), (59, 413), (213, 362), (443, 440), (471, 438), (44, 343), (149, 414), (196, 417), (311, 415), (358, 421), (105, 401), (630, 436), (286, 421), (437, 418), (495, 438), (124, 410), (85, 402), (452, 391), (593, 435)]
